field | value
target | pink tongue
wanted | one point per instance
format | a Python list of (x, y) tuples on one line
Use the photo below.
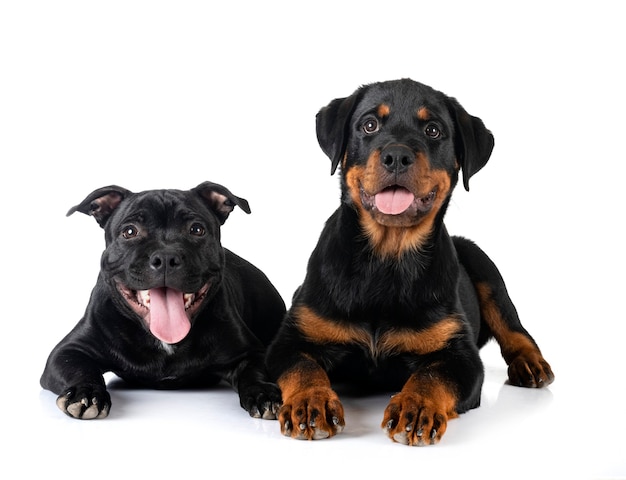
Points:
[(168, 320), (394, 201)]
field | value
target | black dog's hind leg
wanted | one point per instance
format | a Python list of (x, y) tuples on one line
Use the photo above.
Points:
[(499, 319)]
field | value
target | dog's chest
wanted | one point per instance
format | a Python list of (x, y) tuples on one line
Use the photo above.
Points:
[(165, 366)]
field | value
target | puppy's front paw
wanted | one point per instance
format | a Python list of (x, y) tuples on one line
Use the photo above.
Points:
[(85, 402), (261, 400), (412, 419), (312, 414)]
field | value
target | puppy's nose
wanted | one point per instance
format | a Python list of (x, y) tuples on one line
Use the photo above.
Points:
[(397, 158), (160, 261)]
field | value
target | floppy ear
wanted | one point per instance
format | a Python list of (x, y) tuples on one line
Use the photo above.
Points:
[(101, 203), (220, 200), (332, 124), (473, 143)]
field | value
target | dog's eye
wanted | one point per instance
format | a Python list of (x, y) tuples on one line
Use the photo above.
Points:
[(130, 232), (371, 126), (432, 130), (197, 230)]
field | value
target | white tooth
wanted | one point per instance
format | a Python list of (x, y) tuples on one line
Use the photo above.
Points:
[(143, 297), (188, 298)]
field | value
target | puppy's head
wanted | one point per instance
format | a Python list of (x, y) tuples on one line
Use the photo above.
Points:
[(400, 146), (163, 258)]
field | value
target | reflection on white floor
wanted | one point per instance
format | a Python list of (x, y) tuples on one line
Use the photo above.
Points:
[(516, 433)]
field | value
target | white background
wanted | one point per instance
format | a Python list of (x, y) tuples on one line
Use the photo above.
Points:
[(168, 94)]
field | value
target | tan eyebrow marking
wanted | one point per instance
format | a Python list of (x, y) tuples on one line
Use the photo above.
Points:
[(423, 113)]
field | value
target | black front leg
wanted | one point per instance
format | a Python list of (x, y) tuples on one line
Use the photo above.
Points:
[(257, 395), (443, 384), (78, 381)]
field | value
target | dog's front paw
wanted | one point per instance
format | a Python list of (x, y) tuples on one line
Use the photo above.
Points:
[(412, 419), (261, 400), (531, 370), (312, 414), (85, 402)]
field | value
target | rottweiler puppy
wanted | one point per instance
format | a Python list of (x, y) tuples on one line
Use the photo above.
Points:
[(390, 300)]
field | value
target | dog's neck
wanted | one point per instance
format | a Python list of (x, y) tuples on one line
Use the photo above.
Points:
[(393, 242)]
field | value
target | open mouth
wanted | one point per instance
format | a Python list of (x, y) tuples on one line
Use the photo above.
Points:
[(166, 312), (396, 200)]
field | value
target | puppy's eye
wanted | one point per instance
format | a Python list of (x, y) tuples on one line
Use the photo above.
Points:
[(371, 126), (130, 231), (197, 230), (432, 130)]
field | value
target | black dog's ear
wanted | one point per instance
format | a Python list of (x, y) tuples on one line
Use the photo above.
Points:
[(332, 124), (101, 203), (473, 143), (220, 200)]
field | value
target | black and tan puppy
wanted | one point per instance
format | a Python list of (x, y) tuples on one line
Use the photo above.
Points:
[(171, 308), (390, 300)]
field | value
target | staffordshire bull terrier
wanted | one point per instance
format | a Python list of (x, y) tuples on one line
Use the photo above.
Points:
[(171, 307)]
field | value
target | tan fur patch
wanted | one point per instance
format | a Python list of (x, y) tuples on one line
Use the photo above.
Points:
[(305, 374), (434, 389), (425, 341), (320, 330), (511, 343)]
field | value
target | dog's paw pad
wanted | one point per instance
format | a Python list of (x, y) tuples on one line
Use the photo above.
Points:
[(85, 407)]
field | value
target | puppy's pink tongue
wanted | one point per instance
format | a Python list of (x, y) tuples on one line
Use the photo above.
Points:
[(168, 320), (393, 200)]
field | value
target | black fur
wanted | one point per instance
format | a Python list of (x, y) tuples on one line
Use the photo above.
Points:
[(168, 240), (358, 280)]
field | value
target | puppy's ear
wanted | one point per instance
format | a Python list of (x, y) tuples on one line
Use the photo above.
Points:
[(473, 143), (220, 200), (332, 125), (101, 203)]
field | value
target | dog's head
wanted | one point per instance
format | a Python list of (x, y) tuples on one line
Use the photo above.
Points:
[(400, 146), (163, 257)]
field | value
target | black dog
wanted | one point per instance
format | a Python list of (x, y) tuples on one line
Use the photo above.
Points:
[(171, 308), (390, 300)]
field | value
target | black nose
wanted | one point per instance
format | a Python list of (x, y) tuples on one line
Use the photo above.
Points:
[(165, 261), (397, 158)]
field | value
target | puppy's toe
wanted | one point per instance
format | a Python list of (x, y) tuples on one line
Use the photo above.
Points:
[(412, 419), (312, 414), (401, 437), (269, 410), (261, 401)]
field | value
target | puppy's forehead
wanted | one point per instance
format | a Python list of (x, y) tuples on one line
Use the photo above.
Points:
[(161, 205), (406, 99)]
